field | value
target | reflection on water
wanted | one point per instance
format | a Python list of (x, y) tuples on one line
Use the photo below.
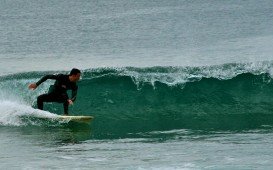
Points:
[(71, 133)]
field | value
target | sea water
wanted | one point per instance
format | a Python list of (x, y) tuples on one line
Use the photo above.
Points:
[(173, 84)]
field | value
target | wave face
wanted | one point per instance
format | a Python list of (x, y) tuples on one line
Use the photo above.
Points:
[(133, 100)]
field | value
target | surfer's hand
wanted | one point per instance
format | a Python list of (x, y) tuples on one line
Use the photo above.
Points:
[(32, 86), (70, 102)]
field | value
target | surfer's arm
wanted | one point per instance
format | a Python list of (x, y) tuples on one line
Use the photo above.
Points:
[(55, 77), (74, 94), (35, 85)]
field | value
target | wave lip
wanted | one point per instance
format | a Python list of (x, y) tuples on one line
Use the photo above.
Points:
[(173, 76)]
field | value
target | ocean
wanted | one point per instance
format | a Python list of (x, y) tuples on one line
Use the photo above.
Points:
[(177, 84)]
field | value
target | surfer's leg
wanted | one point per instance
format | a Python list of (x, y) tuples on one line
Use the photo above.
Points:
[(63, 99), (44, 98), (40, 100), (65, 103), (65, 107)]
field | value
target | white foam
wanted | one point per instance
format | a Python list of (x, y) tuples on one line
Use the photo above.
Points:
[(180, 75), (11, 113)]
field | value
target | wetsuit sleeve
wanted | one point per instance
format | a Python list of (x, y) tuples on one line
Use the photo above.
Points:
[(55, 77), (74, 93)]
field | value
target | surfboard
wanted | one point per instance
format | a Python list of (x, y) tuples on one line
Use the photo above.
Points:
[(81, 119)]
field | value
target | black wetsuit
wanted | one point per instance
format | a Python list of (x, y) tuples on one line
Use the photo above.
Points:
[(58, 91)]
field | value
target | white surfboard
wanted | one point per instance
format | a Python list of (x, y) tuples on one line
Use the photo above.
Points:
[(82, 119)]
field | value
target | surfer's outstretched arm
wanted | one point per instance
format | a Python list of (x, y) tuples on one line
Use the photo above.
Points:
[(35, 85)]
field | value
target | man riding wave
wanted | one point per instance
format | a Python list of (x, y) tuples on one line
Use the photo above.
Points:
[(58, 91)]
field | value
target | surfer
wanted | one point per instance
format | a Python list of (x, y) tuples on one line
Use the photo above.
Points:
[(58, 91)]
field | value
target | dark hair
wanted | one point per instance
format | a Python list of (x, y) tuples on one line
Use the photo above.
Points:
[(74, 71)]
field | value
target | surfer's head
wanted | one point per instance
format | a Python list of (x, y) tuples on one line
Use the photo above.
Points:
[(74, 75)]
